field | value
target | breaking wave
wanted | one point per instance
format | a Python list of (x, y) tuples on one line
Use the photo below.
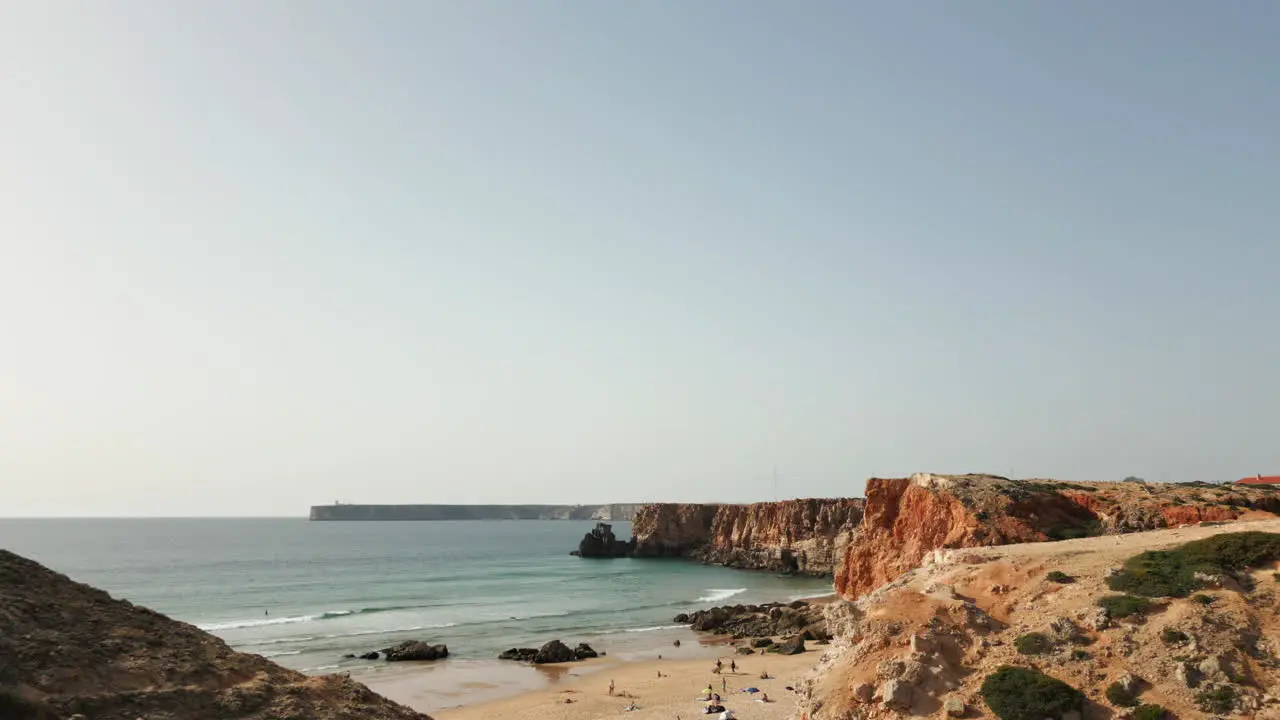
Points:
[(718, 594)]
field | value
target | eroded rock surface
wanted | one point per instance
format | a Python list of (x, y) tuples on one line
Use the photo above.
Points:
[(906, 520), (792, 536)]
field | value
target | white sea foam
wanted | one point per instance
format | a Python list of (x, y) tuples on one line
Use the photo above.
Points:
[(321, 667), (279, 653), (237, 624), (655, 627), (718, 594), (278, 641)]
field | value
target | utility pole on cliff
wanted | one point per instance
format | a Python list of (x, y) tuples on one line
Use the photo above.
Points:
[(775, 483)]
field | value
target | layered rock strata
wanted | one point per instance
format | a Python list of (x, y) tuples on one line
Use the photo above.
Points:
[(793, 536), (905, 519)]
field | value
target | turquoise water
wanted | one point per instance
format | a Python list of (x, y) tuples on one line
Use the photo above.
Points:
[(306, 593)]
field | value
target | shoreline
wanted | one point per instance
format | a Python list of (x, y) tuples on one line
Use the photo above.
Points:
[(663, 688), (471, 689)]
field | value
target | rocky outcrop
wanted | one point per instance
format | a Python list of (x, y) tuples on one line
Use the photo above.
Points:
[(906, 519), (415, 650), (552, 652), (68, 649), (602, 543), (928, 643), (798, 619), (793, 536)]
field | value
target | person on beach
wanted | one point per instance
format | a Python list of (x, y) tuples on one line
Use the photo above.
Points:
[(719, 665), (610, 686), (733, 666), (710, 691), (724, 685)]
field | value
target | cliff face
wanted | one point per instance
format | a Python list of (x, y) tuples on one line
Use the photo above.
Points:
[(925, 645), (69, 649), (907, 518), (671, 529), (796, 536)]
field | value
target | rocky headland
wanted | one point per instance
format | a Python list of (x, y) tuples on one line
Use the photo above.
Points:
[(68, 650), (1174, 623), (907, 518), (805, 537)]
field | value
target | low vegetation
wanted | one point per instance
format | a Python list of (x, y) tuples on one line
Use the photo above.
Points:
[(1172, 573), (1150, 712), (1173, 637), (1015, 693), (1202, 599), (1122, 606), (1219, 701), (13, 705), (1033, 643), (1079, 654), (1118, 696), (1059, 577)]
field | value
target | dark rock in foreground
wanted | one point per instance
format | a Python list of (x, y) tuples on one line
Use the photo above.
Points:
[(519, 654), (584, 651), (415, 650), (601, 543), (552, 652), (69, 649)]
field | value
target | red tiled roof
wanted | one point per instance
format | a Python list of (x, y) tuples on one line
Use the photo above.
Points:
[(1260, 480)]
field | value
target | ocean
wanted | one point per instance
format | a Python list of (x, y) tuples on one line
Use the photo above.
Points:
[(306, 593)]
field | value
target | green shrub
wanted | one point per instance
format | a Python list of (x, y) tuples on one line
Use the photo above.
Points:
[(1171, 573), (1172, 636), (1118, 696), (1119, 606), (1079, 654), (1015, 693), (1033, 643), (1219, 701), (1202, 599), (1059, 577), (15, 707), (1149, 712), (1275, 576)]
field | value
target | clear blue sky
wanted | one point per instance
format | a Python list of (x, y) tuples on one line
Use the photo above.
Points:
[(258, 255)]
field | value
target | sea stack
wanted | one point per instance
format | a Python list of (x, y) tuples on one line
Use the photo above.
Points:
[(601, 543)]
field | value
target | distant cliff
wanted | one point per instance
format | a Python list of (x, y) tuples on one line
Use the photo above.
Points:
[(615, 511), (806, 537)]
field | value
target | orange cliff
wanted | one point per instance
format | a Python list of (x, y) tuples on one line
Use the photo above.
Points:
[(907, 518), (794, 536)]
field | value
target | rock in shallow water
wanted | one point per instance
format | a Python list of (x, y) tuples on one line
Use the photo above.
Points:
[(554, 652), (519, 654), (584, 651), (414, 650)]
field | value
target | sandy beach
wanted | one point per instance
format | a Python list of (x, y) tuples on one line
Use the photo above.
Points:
[(674, 694)]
